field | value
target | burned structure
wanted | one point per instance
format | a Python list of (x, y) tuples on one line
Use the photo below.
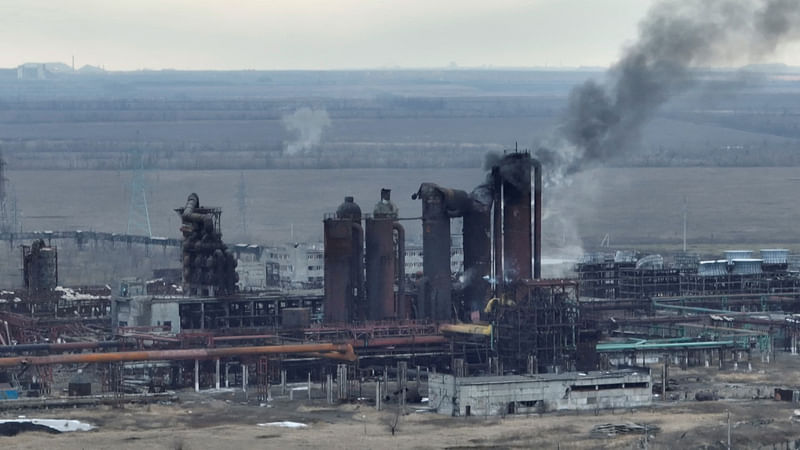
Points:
[(500, 246), (39, 266), (209, 268)]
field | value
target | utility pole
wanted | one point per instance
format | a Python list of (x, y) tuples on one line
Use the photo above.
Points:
[(729, 430)]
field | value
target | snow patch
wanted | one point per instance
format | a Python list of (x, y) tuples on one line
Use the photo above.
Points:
[(284, 424), (58, 425)]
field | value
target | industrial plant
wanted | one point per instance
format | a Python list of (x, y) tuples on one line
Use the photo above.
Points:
[(490, 338)]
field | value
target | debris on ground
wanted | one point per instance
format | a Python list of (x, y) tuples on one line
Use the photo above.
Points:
[(614, 429)]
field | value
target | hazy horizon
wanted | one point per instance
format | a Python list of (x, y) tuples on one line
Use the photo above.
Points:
[(316, 35)]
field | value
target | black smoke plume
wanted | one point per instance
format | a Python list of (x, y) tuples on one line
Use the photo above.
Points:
[(604, 120)]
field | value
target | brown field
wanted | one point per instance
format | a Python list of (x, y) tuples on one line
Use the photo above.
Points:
[(224, 420)]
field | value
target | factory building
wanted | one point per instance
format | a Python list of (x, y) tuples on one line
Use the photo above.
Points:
[(532, 394)]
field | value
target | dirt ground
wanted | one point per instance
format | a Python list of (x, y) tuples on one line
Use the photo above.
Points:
[(223, 420), (221, 424)]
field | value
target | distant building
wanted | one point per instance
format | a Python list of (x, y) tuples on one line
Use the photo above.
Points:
[(301, 265), (41, 71), (414, 257), (31, 71)]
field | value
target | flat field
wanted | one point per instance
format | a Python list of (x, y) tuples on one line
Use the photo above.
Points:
[(636, 207)]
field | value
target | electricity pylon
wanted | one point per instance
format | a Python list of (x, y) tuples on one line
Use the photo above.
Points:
[(138, 215)]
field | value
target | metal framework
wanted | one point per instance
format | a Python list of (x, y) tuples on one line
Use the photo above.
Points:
[(542, 323)]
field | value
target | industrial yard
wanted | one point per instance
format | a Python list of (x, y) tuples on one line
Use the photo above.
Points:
[(181, 358), (497, 256)]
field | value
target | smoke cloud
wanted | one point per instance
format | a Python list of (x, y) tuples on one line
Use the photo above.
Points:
[(307, 125), (605, 119)]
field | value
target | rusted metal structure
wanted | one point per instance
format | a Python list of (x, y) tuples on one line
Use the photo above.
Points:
[(515, 174), (326, 350), (499, 225), (385, 259), (209, 268), (537, 327), (439, 205), (517, 218), (477, 238), (344, 264)]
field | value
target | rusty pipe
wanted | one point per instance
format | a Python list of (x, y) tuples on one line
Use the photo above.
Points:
[(65, 346), (455, 202), (400, 268), (175, 355), (358, 307)]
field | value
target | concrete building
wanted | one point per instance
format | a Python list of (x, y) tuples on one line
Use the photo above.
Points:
[(526, 394), (174, 313), (252, 275), (414, 257), (300, 264)]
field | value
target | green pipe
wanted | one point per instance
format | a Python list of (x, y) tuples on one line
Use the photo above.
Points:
[(662, 346), (690, 308)]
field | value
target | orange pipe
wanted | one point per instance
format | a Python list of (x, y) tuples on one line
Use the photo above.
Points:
[(338, 351)]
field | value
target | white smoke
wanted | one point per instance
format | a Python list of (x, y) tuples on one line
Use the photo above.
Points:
[(307, 125)]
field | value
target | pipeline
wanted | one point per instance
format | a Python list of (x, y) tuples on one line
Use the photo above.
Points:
[(398, 341), (66, 346), (400, 268), (335, 351)]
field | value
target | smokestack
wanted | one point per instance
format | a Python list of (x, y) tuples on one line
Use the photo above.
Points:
[(515, 170)]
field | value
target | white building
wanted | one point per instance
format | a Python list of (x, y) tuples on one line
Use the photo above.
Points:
[(302, 264)]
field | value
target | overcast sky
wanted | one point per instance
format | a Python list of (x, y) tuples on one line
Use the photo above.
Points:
[(325, 34)]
